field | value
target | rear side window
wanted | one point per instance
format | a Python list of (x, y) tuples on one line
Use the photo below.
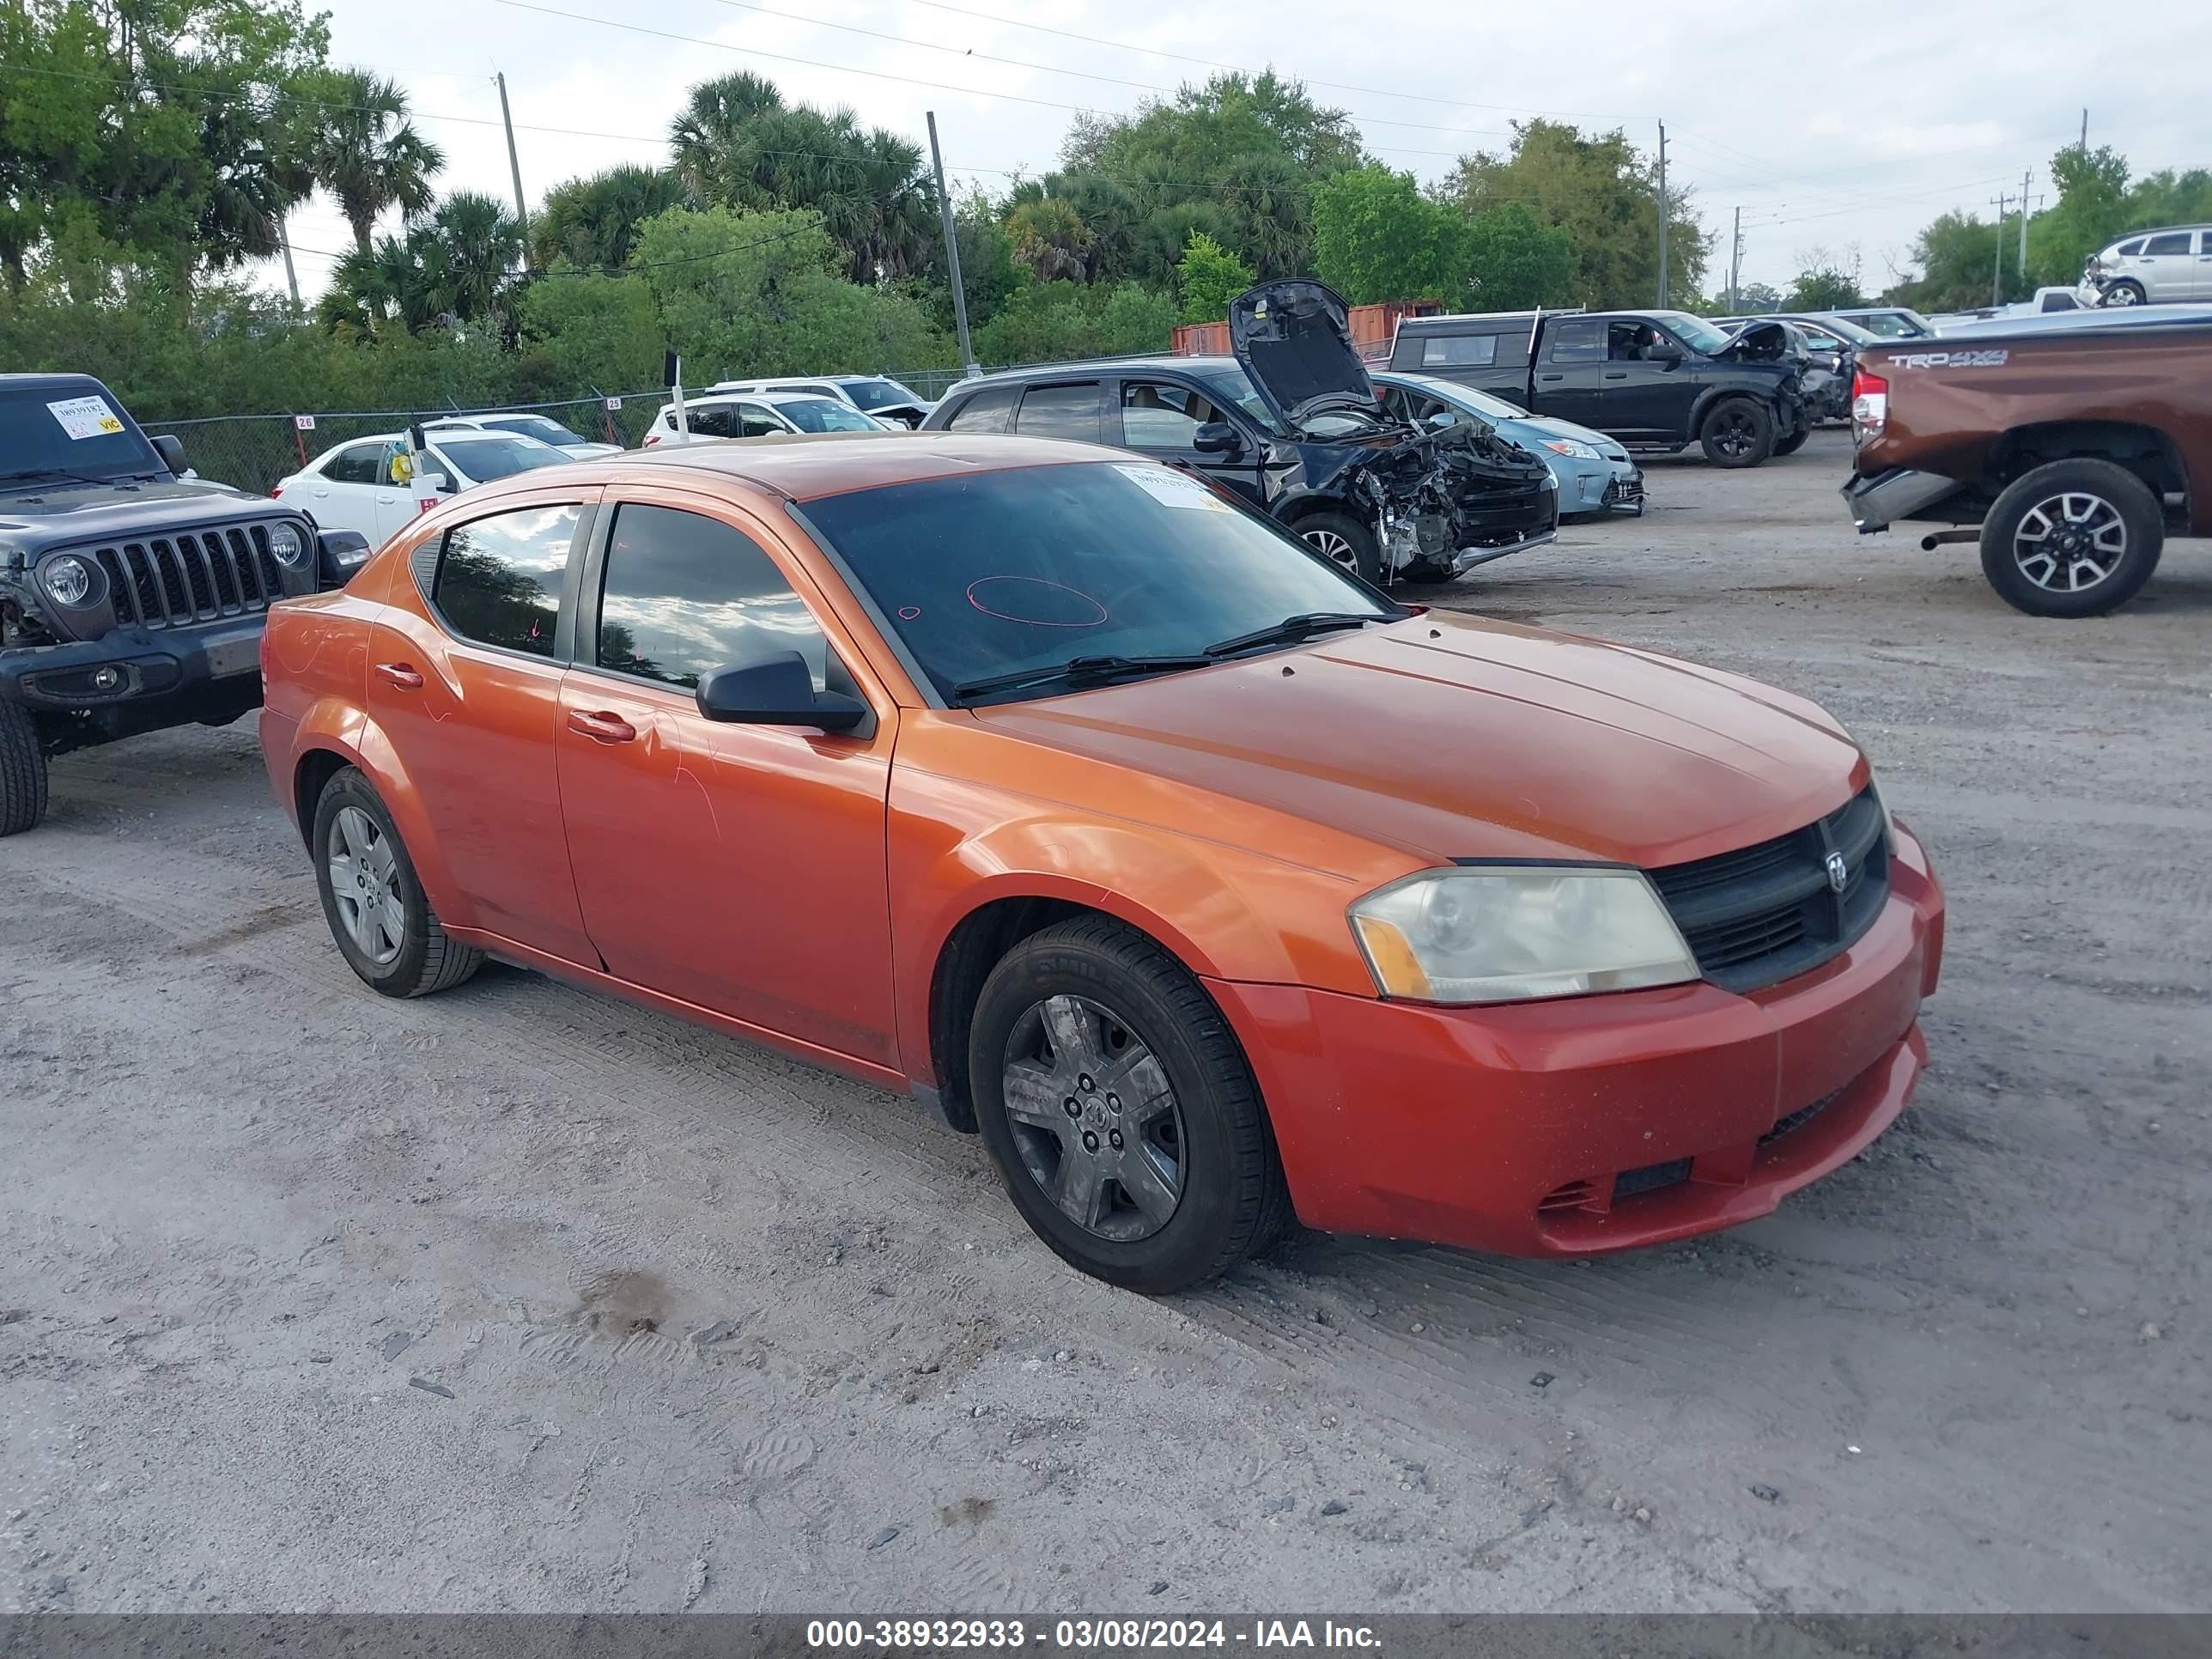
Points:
[(1576, 342), (2172, 242), (712, 421), (2128, 250), (1459, 350), (498, 579), (686, 594), (1061, 411), (986, 411)]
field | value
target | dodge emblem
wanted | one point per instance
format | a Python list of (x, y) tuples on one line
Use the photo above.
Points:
[(1840, 873)]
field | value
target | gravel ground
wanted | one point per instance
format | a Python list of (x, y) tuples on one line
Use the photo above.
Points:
[(520, 1298)]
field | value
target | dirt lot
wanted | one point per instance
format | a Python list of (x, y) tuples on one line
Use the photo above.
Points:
[(517, 1297)]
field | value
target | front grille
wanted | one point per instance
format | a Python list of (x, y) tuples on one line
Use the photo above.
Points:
[(1618, 490), (193, 576), (1766, 912)]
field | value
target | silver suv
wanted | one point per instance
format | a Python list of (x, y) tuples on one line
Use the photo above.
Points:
[(2155, 267)]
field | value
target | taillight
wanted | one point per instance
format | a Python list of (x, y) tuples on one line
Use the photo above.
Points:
[(651, 439), (1870, 405), (277, 494)]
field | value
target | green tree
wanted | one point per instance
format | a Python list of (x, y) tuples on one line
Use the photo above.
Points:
[(456, 266), (710, 134), (1957, 254), (1824, 288), (365, 152), (592, 222), (1604, 193), (1050, 240), (1377, 237), (1209, 277), (1515, 261), (1052, 322)]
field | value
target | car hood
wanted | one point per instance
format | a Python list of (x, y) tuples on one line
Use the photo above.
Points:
[(1768, 340), (1293, 340), (1451, 737), (57, 516), (1544, 426)]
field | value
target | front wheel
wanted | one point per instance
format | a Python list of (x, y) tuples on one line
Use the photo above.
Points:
[(1343, 540), (2125, 294), (2072, 538), (372, 900), (1737, 432), (22, 771), (1119, 1111)]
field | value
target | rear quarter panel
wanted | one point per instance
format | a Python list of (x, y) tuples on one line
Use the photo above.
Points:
[(314, 675)]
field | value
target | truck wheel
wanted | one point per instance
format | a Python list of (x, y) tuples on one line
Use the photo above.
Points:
[(22, 771), (1342, 539), (1119, 1111), (2124, 293), (1794, 442), (2072, 538), (384, 926), (1738, 432)]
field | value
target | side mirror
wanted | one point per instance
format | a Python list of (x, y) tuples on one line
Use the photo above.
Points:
[(1441, 419), (1666, 353), (171, 449), (1217, 438), (434, 483), (776, 689)]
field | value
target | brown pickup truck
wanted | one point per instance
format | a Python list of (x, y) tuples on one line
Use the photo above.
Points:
[(2074, 451)]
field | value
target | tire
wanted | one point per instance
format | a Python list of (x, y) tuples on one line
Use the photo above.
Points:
[(22, 771), (2062, 521), (2125, 292), (1196, 1185), (352, 823), (1343, 540), (1737, 432), (1794, 442)]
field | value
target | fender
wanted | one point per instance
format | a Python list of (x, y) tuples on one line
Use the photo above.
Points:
[(335, 727)]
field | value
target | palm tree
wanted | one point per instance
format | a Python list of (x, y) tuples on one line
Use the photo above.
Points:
[(592, 222), (470, 251), (1051, 238), (711, 131), (366, 153)]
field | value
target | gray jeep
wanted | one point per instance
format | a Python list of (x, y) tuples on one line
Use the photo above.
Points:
[(131, 595)]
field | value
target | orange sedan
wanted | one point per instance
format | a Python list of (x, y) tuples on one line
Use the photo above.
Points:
[(1210, 885)]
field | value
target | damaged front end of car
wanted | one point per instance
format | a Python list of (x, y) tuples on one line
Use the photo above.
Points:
[(1442, 501)]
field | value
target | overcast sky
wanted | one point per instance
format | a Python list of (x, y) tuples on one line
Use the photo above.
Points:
[(1833, 128)]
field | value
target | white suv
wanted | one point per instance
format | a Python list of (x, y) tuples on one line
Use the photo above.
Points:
[(760, 415), (878, 395), (2153, 267)]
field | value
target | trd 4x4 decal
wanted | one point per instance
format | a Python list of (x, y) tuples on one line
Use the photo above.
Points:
[(1994, 359)]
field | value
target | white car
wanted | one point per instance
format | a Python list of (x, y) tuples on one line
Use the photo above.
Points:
[(356, 485), (894, 404), (761, 415), (545, 430)]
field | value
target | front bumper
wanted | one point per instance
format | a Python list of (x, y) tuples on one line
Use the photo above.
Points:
[(130, 665), (1585, 1125), (1878, 503), (1467, 557)]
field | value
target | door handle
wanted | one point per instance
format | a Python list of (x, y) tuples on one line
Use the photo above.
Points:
[(1616, 374), (405, 676), (1550, 377), (604, 727)]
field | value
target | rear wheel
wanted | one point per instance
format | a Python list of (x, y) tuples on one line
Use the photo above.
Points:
[(2072, 538), (22, 771), (1119, 1111), (1343, 540), (384, 926), (1737, 432)]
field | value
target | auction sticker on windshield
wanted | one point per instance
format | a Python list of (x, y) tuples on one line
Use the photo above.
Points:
[(86, 418), (1173, 488)]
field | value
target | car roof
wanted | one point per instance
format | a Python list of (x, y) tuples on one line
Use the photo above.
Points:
[(809, 466), (31, 382), (1099, 366)]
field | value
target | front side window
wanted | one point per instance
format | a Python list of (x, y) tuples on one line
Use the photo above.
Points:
[(1004, 570), (498, 579), (1459, 350), (1158, 416), (712, 421), (2175, 241), (1061, 411), (986, 411), (754, 420), (686, 594)]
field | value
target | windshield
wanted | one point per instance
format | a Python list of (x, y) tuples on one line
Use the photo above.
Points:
[(1030, 566), (1466, 396), (483, 460), (69, 432), (1844, 328), (538, 426), (821, 414), (1232, 384), (1894, 324), (1694, 332), (878, 394)]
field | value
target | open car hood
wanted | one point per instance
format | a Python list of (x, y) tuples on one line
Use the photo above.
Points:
[(1765, 340), (1293, 339)]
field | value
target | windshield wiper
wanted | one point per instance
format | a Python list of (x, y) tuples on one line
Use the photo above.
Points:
[(50, 475), (1077, 669), (1291, 629)]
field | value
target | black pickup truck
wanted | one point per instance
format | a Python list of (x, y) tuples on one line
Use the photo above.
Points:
[(1653, 380), (131, 595)]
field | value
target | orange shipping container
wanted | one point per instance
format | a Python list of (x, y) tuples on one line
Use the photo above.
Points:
[(1373, 328)]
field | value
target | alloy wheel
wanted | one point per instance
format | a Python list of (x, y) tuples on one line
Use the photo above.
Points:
[(1094, 1118), (365, 882), (2070, 543), (1334, 548), (1737, 433)]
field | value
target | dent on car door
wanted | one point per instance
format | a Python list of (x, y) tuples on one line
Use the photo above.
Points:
[(739, 867), (465, 667)]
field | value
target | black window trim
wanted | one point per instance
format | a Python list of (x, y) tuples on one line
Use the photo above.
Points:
[(1098, 383), (1112, 392), (425, 572)]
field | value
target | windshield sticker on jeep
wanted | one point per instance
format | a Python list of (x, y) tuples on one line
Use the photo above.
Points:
[(86, 418), (1173, 488), (1951, 360)]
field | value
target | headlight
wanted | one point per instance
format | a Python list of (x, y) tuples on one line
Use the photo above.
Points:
[(1504, 933), (70, 580), (1574, 446), (287, 544)]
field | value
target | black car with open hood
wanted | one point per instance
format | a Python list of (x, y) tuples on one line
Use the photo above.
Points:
[(1292, 427)]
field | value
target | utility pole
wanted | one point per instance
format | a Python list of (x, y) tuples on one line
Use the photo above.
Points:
[(1997, 277), (1735, 259), (2085, 129), (2025, 179), (514, 167), (1662, 216), (967, 365), (291, 276)]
